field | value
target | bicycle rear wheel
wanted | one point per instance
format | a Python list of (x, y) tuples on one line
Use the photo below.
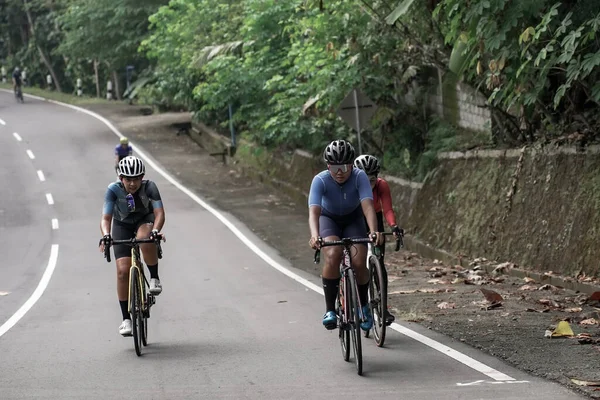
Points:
[(377, 299), (343, 320), (135, 309), (354, 324)]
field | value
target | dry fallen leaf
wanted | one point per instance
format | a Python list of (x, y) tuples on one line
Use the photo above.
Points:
[(445, 305), (548, 287), (403, 292), (563, 329), (540, 311), (527, 287), (491, 296), (589, 321), (529, 280), (574, 310), (580, 382), (549, 302), (594, 296)]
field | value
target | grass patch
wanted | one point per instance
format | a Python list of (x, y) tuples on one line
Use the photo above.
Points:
[(62, 97)]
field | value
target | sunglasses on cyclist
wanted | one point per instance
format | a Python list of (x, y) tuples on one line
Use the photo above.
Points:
[(335, 168)]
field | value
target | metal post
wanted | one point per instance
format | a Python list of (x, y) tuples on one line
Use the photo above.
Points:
[(231, 129), (357, 121), (79, 91)]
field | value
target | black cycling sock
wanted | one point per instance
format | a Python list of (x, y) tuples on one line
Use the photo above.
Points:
[(363, 293), (153, 271), (330, 287), (124, 309)]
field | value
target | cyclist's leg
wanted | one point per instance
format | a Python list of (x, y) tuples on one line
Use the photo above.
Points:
[(149, 252), (389, 317), (122, 231), (356, 228), (329, 230)]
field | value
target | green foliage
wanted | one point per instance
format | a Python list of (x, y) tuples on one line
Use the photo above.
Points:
[(536, 60)]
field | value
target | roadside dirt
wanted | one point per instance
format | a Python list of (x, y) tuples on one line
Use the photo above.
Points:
[(444, 298)]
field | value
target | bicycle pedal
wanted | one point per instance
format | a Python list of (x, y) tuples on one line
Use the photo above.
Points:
[(330, 327)]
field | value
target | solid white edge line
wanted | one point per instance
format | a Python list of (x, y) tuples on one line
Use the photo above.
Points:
[(49, 198), (30, 154), (2, 122), (41, 175), (54, 223), (37, 293), (462, 358), (17, 136)]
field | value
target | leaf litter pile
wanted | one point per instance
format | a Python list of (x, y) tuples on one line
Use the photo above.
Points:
[(421, 290)]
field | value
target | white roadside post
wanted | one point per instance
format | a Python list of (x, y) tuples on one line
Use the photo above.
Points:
[(49, 81), (79, 91), (108, 90), (3, 71)]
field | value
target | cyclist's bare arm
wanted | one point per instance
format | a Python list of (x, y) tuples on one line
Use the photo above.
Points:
[(159, 218)]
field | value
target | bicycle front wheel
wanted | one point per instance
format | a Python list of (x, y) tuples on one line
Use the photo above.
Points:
[(145, 307), (343, 319), (377, 299), (354, 324), (135, 304)]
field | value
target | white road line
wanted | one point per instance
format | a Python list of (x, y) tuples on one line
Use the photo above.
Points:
[(2, 122), (41, 175), (49, 198), (30, 154), (464, 359), (16, 135), (54, 223), (37, 293)]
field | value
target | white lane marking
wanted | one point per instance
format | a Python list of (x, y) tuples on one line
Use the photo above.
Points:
[(2, 122), (41, 175), (37, 293), (482, 382), (49, 198), (464, 359), (16, 135), (54, 223), (4, 293), (458, 356), (30, 154)]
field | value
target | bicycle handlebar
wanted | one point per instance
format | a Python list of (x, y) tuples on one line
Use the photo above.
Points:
[(132, 242), (346, 242)]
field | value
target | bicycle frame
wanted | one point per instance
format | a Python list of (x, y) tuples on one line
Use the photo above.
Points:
[(142, 280)]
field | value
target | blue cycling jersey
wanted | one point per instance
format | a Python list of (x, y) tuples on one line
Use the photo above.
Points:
[(123, 152), (336, 199), (146, 199)]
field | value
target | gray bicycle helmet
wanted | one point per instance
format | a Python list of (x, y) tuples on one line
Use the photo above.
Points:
[(368, 163), (339, 152), (131, 167)]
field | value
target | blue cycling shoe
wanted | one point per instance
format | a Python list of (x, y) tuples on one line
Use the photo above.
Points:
[(330, 320), (367, 318)]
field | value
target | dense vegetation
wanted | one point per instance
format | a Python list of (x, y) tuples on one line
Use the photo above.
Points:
[(285, 66)]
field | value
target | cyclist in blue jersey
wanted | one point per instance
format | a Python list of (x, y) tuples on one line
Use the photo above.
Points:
[(122, 150), (340, 200), (132, 208)]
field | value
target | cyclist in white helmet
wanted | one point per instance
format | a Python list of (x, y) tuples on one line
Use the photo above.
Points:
[(132, 208), (382, 200)]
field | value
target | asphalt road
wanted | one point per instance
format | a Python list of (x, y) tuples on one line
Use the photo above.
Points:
[(227, 325)]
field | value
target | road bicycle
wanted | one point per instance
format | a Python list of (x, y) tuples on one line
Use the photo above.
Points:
[(140, 298), (348, 306)]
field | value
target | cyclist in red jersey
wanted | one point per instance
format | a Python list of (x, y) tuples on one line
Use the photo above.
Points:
[(382, 200)]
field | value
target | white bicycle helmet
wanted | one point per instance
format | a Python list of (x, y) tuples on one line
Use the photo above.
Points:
[(369, 164), (339, 152), (131, 167)]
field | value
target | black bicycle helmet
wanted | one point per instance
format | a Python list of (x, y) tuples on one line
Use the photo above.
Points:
[(369, 164), (339, 152)]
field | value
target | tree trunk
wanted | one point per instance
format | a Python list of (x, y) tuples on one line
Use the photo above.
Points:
[(43, 55), (97, 78), (117, 89)]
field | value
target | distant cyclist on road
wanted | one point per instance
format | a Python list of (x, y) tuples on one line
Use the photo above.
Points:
[(17, 79), (339, 200), (382, 198), (122, 150), (132, 208)]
